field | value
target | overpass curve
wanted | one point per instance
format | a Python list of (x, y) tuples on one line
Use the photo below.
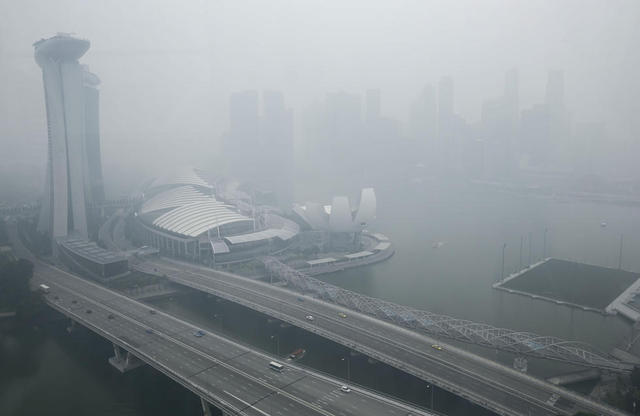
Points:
[(233, 377), (483, 382)]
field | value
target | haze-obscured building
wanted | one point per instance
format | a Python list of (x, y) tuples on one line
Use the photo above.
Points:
[(259, 145), (338, 224), (186, 214), (74, 172)]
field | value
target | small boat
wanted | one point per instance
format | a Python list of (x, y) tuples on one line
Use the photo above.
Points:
[(603, 224), (438, 244)]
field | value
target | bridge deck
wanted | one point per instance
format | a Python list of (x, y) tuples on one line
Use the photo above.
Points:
[(484, 382), (229, 375)]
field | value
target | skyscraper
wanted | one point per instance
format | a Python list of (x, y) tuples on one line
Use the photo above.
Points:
[(423, 118), (372, 110), (277, 146), (243, 141), (445, 108), (511, 95), (74, 173), (554, 97)]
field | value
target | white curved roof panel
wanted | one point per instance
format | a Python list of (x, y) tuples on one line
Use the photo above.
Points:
[(173, 198), (199, 217), (183, 176)]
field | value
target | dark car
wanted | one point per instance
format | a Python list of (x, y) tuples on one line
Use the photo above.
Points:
[(111, 316), (149, 331), (88, 311)]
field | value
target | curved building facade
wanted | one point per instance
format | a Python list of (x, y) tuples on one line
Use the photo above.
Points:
[(74, 173), (339, 217), (183, 217)]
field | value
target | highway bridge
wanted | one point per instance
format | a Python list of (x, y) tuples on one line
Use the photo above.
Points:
[(235, 378), (484, 382), (231, 376)]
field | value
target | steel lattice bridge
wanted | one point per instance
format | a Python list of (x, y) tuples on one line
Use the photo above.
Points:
[(521, 343)]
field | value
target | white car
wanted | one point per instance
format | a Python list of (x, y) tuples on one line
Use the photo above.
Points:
[(345, 389), (309, 318)]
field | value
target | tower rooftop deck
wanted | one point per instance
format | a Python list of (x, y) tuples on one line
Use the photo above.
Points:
[(61, 47)]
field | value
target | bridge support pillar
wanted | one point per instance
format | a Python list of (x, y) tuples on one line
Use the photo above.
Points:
[(123, 360), (206, 409), (520, 364), (72, 326)]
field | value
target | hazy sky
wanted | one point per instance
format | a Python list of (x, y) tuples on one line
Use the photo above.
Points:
[(168, 67)]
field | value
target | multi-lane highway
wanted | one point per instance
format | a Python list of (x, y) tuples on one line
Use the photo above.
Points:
[(484, 382), (229, 375)]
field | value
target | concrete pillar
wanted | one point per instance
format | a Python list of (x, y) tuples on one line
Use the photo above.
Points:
[(206, 410), (72, 326), (123, 360), (117, 352)]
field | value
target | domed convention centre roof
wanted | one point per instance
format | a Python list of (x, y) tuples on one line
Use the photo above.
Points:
[(184, 203), (183, 176), (196, 218)]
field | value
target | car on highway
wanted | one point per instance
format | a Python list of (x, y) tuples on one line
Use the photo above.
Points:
[(342, 314), (437, 347), (345, 389), (149, 331), (74, 301), (299, 353), (152, 312), (88, 311), (199, 333), (111, 316), (300, 299), (309, 318)]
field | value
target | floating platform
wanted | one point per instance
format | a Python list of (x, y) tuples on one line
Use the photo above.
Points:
[(573, 284)]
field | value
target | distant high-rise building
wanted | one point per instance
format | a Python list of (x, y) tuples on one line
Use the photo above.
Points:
[(423, 119), (445, 107), (372, 110), (499, 128), (243, 141), (445, 97), (259, 145), (343, 116), (277, 146), (74, 173), (511, 96), (554, 98)]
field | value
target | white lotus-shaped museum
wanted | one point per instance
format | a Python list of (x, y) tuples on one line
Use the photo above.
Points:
[(339, 217)]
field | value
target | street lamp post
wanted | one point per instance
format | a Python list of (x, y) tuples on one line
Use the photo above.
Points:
[(504, 246), (348, 360), (544, 244), (620, 253), (430, 387), (521, 243), (218, 316), (529, 248), (277, 338)]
